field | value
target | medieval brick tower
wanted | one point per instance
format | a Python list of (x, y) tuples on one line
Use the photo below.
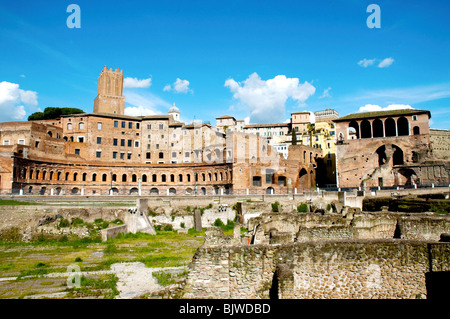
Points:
[(109, 94)]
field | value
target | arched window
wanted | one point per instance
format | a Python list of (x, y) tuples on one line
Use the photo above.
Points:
[(353, 127), (203, 177), (43, 175), (163, 178), (144, 178), (390, 127), (188, 176), (94, 177), (104, 177), (51, 176), (403, 126), (124, 177), (66, 177), (172, 178), (114, 177), (134, 178), (416, 130), (154, 178), (366, 129), (75, 175), (84, 177), (397, 157), (58, 176), (180, 177), (377, 126)]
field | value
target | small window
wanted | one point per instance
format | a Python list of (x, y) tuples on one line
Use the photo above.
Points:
[(115, 142), (186, 154), (81, 126), (414, 117), (69, 126), (99, 126), (99, 140), (5, 142), (161, 126), (130, 143), (129, 156), (148, 155), (114, 155), (98, 154), (149, 126), (174, 154), (136, 143), (77, 151), (80, 139), (130, 124), (122, 142), (116, 123), (21, 142), (123, 124), (161, 155), (137, 125), (122, 155)]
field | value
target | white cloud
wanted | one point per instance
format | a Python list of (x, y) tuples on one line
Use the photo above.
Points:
[(374, 107), (366, 62), (382, 64), (135, 83), (12, 99), (386, 62), (143, 104), (179, 86), (266, 100)]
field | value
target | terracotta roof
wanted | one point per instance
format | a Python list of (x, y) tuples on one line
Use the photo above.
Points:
[(366, 115)]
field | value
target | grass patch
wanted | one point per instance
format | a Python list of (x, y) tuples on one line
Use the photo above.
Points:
[(11, 202), (167, 278), (90, 287)]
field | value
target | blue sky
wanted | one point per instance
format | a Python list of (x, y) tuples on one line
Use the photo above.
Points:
[(254, 60)]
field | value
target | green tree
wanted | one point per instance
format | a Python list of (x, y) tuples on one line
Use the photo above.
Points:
[(51, 113)]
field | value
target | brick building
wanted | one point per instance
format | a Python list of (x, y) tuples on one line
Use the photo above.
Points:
[(388, 148), (107, 152)]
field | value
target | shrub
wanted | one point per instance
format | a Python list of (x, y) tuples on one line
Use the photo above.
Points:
[(168, 227), (302, 208), (77, 222), (78, 259), (275, 207), (64, 223), (218, 222)]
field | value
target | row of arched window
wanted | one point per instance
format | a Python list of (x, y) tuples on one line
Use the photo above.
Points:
[(379, 128), (37, 174)]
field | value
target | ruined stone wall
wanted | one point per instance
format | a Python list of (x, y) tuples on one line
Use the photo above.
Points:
[(345, 269), (440, 143)]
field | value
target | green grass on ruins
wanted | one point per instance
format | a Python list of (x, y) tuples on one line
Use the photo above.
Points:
[(51, 254)]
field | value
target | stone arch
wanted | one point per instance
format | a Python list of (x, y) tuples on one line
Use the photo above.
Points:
[(203, 191), (43, 190), (270, 190), (397, 156), (172, 191), (377, 127), (381, 151), (408, 176), (403, 126), (189, 191), (58, 191), (366, 129), (390, 128), (115, 191), (154, 191), (303, 178), (134, 191), (75, 191), (355, 126)]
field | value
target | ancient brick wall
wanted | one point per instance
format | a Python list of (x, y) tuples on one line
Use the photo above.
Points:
[(344, 269)]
